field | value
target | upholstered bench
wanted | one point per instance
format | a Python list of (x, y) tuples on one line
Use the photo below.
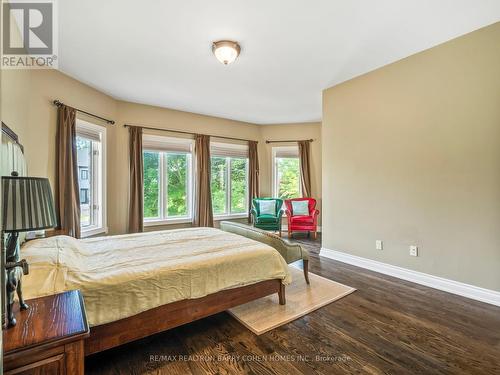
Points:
[(290, 252)]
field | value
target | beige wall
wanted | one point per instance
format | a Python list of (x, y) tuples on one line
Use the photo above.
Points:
[(27, 105), (15, 99), (411, 156), (29, 111)]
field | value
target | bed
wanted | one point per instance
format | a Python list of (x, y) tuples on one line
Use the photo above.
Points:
[(140, 284)]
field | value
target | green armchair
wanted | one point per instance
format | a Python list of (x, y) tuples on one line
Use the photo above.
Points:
[(268, 216)]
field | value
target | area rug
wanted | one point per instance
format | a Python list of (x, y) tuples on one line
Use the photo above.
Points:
[(266, 313)]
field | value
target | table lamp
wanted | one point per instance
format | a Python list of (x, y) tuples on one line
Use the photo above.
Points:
[(28, 205)]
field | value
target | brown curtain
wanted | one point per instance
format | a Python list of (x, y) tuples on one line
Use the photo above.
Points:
[(253, 175), (203, 215), (136, 208), (67, 193), (305, 167)]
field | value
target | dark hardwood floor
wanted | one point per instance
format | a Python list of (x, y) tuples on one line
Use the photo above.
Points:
[(388, 326)]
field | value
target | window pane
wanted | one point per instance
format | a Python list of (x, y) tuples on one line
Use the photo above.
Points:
[(84, 160), (151, 184), (288, 177), (177, 184), (219, 185), (238, 185)]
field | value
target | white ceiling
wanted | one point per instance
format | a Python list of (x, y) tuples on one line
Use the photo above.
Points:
[(159, 52)]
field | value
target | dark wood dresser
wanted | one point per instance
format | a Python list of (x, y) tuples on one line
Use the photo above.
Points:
[(48, 338)]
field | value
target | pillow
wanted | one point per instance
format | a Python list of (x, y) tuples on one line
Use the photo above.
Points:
[(267, 207), (300, 207)]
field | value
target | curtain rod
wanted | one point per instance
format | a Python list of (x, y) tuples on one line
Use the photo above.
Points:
[(190, 133), (58, 103), (12, 135), (291, 140)]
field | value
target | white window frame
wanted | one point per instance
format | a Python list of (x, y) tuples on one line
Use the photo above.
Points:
[(228, 151), (275, 151), (228, 215), (99, 184), (163, 219)]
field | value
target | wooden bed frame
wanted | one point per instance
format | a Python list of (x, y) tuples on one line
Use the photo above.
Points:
[(174, 314)]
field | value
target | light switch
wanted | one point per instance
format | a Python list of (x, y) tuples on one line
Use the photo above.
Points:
[(379, 245)]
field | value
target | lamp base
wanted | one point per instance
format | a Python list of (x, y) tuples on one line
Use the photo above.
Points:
[(15, 269)]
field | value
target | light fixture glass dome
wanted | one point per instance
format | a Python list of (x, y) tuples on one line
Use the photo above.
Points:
[(226, 51)]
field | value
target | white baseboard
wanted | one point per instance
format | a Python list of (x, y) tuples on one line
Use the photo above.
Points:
[(451, 286)]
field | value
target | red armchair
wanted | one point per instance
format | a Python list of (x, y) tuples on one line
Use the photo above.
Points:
[(298, 222)]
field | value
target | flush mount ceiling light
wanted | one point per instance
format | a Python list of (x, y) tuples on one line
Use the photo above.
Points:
[(226, 51)]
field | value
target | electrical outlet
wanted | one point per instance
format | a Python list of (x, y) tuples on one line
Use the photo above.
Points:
[(414, 251), (379, 245)]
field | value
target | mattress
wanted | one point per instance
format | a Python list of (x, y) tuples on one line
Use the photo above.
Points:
[(124, 275)]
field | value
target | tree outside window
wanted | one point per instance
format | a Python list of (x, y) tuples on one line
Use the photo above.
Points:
[(286, 172), (167, 190), (151, 184), (177, 185), (229, 185), (288, 178)]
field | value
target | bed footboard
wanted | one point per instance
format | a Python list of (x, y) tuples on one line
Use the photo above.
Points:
[(174, 314)]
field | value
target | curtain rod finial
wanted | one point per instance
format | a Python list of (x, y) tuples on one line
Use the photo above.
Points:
[(58, 103)]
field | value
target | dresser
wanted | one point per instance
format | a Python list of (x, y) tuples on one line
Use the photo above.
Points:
[(48, 338)]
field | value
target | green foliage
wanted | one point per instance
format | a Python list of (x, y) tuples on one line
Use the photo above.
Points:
[(151, 162), (288, 178), (176, 173), (177, 185), (238, 185), (222, 170), (176, 170), (218, 184)]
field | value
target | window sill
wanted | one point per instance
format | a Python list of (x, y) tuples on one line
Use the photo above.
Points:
[(152, 223), (229, 217), (93, 232)]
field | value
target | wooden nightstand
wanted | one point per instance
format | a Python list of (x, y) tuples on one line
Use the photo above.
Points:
[(48, 338)]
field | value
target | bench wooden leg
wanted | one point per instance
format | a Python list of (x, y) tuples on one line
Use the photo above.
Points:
[(305, 264), (281, 295)]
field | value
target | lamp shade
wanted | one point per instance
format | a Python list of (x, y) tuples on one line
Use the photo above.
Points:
[(27, 204)]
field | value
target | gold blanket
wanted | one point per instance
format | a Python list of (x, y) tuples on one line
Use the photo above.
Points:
[(124, 275)]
